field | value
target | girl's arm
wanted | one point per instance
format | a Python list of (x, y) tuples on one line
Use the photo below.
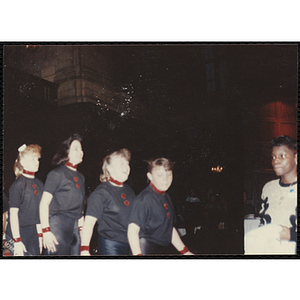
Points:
[(80, 225), (133, 238), (86, 234), (39, 231), (178, 244), (19, 247), (4, 219), (48, 237)]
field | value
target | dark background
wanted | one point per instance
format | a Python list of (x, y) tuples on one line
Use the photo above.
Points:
[(201, 105)]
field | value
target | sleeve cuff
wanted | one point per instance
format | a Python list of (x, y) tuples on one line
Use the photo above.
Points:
[(293, 234)]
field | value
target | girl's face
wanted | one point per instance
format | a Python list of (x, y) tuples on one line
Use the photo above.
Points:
[(30, 161), (119, 168), (284, 161), (75, 153), (161, 178)]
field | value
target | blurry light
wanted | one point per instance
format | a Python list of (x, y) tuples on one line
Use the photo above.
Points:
[(32, 46), (217, 169)]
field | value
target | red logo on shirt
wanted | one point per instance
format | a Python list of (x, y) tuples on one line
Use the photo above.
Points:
[(166, 206), (78, 186), (126, 203), (168, 214), (75, 179), (34, 186), (123, 196), (36, 192)]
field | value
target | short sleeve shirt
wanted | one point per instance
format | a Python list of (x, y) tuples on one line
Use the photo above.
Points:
[(25, 194), (112, 206), (5, 203), (155, 215), (68, 190)]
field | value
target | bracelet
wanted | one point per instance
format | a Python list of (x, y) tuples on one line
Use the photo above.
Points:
[(17, 240), (40, 235), (184, 250), (140, 254), (47, 229), (84, 248), (80, 228)]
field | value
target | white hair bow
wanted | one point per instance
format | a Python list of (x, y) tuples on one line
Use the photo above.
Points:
[(22, 148)]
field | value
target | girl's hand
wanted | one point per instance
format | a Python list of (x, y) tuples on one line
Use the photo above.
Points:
[(85, 253), (41, 244), (50, 241), (189, 253), (285, 234), (19, 249)]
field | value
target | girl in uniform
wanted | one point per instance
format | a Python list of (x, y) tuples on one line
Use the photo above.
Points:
[(62, 201), (23, 232), (151, 228), (110, 204)]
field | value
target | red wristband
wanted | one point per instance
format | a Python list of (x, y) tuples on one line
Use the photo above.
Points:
[(80, 228), (184, 250), (17, 240), (140, 254), (40, 235), (84, 248), (47, 229)]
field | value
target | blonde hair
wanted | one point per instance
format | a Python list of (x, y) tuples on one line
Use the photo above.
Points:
[(107, 160), (24, 150)]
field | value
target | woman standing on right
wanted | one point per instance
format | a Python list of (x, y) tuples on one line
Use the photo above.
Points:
[(278, 231), (151, 228)]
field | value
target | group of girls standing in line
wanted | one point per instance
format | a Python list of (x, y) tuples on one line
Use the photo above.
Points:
[(51, 216)]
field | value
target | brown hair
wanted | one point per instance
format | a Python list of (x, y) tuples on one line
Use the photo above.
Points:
[(61, 157), (165, 162), (32, 148), (106, 161)]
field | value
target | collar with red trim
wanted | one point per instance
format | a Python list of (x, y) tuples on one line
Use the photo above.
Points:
[(28, 172), (157, 190), (71, 165), (118, 183)]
